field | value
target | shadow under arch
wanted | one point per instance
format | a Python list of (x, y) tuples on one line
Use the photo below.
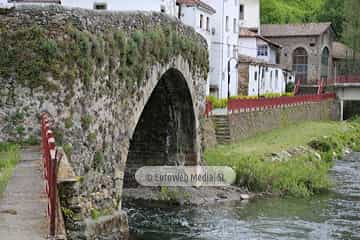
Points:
[(165, 133)]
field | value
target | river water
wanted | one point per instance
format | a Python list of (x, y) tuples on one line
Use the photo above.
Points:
[(335, 215)]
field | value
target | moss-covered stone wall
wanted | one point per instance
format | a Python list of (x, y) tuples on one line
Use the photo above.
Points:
[(94, 73)]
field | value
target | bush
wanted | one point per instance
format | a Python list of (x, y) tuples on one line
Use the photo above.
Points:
[(217, 103), (300, 176), (290, 86), (86, 121), (9, 156)]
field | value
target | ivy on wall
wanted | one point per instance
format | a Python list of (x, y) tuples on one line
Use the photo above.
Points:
[(34, 59)]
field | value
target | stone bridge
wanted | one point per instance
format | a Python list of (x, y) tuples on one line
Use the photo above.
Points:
[(124, 89)]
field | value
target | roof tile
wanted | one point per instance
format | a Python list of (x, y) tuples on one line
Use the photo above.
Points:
[(298, 29)]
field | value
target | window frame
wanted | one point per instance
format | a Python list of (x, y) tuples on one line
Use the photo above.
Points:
[(242, 12), (262, 51), (300, 64), (227, 19), (97, 4)]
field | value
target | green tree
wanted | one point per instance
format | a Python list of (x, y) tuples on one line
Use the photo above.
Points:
[(290, 11), (333, 11), (351, 33)]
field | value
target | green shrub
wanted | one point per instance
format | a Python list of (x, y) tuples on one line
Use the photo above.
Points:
[(31, 54), (98, 160), (68, 122), (68, 149), (9, 156), (86, 121), (290, 86)]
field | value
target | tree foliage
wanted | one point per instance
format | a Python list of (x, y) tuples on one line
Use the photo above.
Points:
[(351, 34), (298, 11)]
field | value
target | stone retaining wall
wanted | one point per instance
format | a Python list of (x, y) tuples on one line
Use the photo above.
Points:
[(247, 124)]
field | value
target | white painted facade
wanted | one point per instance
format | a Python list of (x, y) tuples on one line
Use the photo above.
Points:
[(224, 46), (201, 20), (257, 48), (166, 6), (250, 18), (5, 4), (265, 76), (263, 80)]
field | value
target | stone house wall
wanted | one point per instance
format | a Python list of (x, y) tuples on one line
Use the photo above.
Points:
[(290, 43)]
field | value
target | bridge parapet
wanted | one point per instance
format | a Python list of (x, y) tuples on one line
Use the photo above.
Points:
[(94, 73)]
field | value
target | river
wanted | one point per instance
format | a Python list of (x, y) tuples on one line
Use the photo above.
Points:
[(335, 215)]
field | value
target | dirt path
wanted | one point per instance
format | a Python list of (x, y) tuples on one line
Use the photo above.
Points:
[(23, 205)]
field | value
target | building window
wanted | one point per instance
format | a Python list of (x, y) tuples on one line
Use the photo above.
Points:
[(241, 12), (227, 23), (300, 64), (255, 76), (162, 9), (276, 79), (262, 50), (325, 63), (201, 21), (235, 51), (100, 6), (235, 26), (208, 24), (228, 50)]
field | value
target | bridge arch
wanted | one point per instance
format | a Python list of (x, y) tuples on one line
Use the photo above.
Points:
[(166, 129)]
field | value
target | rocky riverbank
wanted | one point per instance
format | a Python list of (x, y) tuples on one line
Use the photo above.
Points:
[(184, 196)]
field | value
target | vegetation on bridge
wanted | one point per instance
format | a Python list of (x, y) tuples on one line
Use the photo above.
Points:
[(35, 57), (9, 156), (302, 174)]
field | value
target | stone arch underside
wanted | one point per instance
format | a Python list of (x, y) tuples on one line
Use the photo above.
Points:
[(165, 133)]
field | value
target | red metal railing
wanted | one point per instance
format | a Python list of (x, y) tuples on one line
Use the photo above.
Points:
[(344, 79), (208, 108), (338, 80), (266, 103), (297, 87), (50, 155)]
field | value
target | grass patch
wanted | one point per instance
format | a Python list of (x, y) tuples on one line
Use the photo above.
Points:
[(9, 156), (298, 176)]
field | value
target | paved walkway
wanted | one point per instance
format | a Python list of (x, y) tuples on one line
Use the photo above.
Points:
[(23, 206)]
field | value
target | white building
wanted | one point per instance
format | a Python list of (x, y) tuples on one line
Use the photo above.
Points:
[(249, 15), (259, 69), (258, 77), (198, 15), (165, 6), (224, 47), (254, 45), (3, 3)]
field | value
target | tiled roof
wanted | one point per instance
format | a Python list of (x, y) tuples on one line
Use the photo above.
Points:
[(299, 29), (197, 3), (244, 32), (341, 51)]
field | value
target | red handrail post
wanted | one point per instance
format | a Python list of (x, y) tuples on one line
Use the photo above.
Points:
[(49, 152)]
